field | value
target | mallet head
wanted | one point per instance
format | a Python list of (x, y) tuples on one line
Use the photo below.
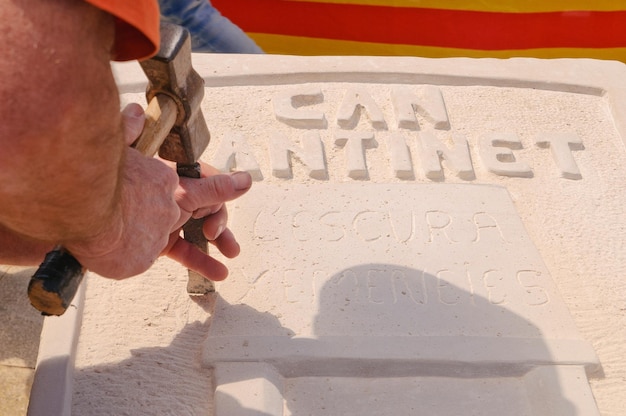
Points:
[(170, 72)]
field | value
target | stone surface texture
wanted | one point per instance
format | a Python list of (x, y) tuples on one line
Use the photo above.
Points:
[(423, 236), (20, 327)]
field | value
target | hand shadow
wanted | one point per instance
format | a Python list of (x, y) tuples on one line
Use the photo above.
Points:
[(390, 339), (386, 339), (168, 380)]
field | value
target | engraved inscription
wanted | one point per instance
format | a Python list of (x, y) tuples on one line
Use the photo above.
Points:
[(388, 259), (420, 288), (368, 225), (419, 136)]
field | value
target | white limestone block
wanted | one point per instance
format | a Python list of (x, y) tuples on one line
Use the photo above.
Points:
[(376, 278), (385, 281)]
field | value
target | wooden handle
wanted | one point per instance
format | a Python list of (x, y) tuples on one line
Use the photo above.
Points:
[(160, 118), (54, 284)]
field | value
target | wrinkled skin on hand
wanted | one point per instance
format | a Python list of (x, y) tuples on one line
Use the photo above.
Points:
[(68, 175), (155, 205)]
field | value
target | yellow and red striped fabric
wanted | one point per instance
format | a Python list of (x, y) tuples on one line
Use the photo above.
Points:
[(435, 28)]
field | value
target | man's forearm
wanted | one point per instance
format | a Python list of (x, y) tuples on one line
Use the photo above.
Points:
[(61, 143)]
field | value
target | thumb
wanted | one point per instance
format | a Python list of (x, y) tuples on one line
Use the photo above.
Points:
[(133, 119)]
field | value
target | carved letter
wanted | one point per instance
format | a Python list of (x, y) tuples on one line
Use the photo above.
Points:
[(297, 286), (561, 146), (311, 154), (380, 289), (400, 157), (449, 294), (495, 152), (355, 144), (437, 222), (493, 280), (350, 110), (412, 285), (427, 101), (308, 226), (535, 294), (233, 153), (371, 225), (287, 104), (431, 151), (484, 221)]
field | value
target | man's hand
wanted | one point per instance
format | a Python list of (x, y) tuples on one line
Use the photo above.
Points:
[(67, 176), (147, 209), (204, 198), (155, 205)]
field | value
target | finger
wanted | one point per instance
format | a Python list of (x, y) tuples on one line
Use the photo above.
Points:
[(207, 170), (210, 192), (208, 211), (227, 244), (192, 258), (133, 119), (215, 224)]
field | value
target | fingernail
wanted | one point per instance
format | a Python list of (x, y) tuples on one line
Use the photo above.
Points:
[(241, 180)]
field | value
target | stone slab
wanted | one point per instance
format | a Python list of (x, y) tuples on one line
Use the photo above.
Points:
[(20, 323), (531, 151), (376, 286), (380, 267)]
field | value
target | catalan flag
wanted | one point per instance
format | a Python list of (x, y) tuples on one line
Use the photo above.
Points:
[(435, 28)]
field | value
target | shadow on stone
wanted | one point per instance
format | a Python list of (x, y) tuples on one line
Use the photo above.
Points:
[(389, 339), (386, 339)]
